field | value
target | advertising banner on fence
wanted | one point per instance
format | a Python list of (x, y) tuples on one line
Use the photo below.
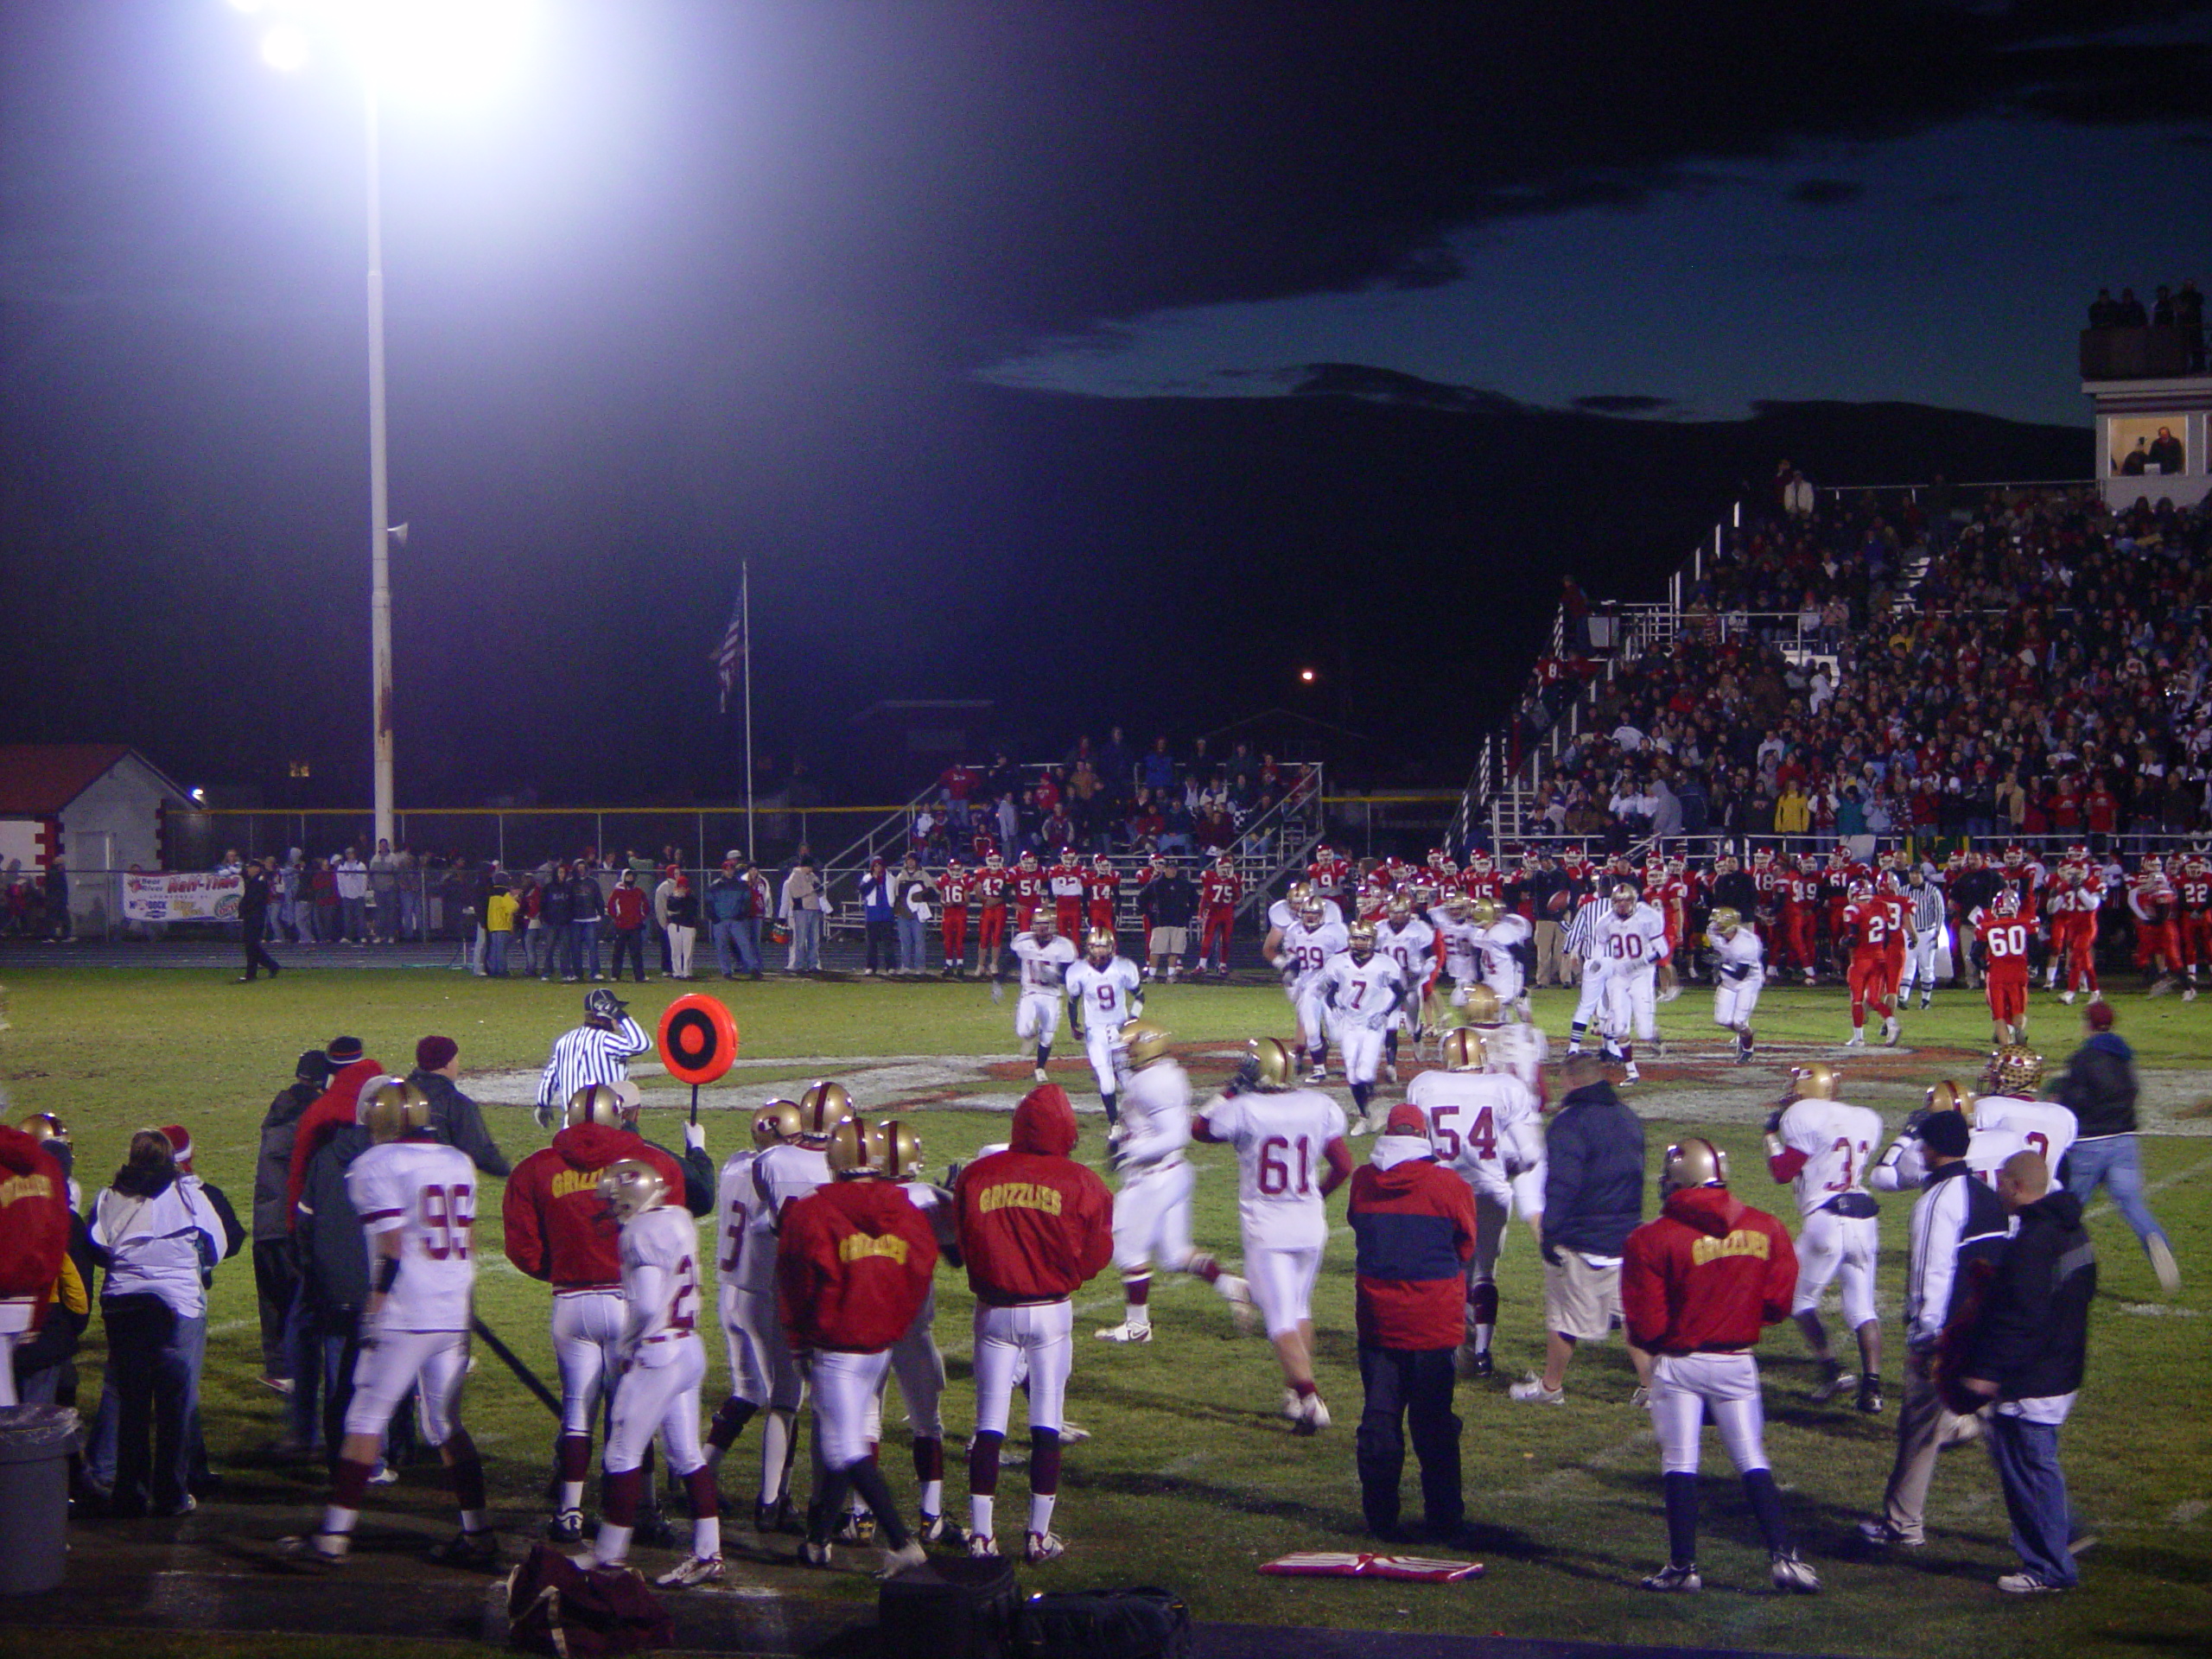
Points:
[(179, 896)]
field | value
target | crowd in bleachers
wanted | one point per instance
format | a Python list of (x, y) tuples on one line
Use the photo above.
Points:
[(2037, 665)]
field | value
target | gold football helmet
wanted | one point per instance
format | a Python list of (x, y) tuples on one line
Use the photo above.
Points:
[(1726, 921), (1146, 1041), (1693, 1163), (903, 1151), (45, 1126), (2015, 1068), (858, 1148), (1484, 912), (1043, 924), (392, 1107), (631, 1186), (1099, 945), (775, 1123), (1462, 1049), (595, 1103), (1948, 1096), (1278, 1066), (822, 1108), (1816, 1080), (1360, 939), (1482, 1006)]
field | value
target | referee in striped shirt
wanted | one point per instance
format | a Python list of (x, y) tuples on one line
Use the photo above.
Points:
[(597, 1051), (1928, 917)]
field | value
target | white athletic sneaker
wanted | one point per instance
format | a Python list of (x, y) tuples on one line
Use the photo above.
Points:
[(2163, 1263), (1319, 1074), (1313, 1418), (1041, 1547), (1683, 1579), (1359, 1126), (1238, 1295), (1857, 1039), (1631, 1075), (2066, 997), (1125, 1333), (695, 1570), (1530, 1390), (1390, 1071), (981, 1547), (1889, 1034), (1072, 1433), (1293, 1407), (896, 1561), (1791, 1574), (1041, 1075)]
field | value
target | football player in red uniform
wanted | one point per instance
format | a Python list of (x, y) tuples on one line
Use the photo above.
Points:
[(1219, 892), (1064, 881), (952, 887), (2002, 932), (1027, 886), (2151, 897), (1868, 919), (989, 888), (2193, 897), (1329, 872), (1102, 887)]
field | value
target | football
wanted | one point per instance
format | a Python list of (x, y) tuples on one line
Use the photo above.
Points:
[(1557, 902)]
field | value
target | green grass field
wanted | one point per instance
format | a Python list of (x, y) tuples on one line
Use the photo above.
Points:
[(1190, 1480)]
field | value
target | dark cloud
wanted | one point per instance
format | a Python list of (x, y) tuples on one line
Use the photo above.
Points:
[(1626, 403), (1826, 193), (1407, 390)]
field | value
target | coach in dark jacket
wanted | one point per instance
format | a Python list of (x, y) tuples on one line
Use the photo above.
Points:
[(2028, 1351), (2099, 1088), (253, 918), (455, 1118), (1593, 1200), (276, 1268)]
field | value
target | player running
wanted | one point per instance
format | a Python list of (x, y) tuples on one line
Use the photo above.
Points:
[(416, 1199), (1309, 944), (1045, 959), (1485, 1124), (1823, 1149), (1631, 936), (1105, 992), (1410, 942), (2001, 931), (1291, 1155), (1362, 992), (1151, 1210), (1866, 922), (1739, 971)]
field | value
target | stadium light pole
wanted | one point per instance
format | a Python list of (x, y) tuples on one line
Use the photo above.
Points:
[(376, 29)]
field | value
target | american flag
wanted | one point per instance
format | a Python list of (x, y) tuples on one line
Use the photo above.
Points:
[(728, 657)]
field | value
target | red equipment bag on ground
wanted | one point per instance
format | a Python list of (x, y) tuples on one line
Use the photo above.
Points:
[(555, 1607)]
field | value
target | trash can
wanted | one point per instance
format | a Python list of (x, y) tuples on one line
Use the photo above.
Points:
[(34, 1445)]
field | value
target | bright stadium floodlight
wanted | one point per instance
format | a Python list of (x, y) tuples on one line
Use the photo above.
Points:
[(442, 49)]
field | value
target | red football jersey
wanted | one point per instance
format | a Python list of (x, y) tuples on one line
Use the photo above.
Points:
[(2005, 941), (1866, 923), (952, 886), (1219, 892), (1100, 886), (1027, 886), (988, 887)]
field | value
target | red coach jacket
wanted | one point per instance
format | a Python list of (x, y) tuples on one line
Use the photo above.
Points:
[(1035, 1223), (853, 1266), (558, 1228), (1708, 1276), (333, 1109), (34, 1220), (1415, 1226)]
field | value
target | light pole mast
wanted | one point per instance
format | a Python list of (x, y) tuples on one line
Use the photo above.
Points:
[(380, 712)]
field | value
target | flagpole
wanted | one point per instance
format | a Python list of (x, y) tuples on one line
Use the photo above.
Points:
[(745, 621)]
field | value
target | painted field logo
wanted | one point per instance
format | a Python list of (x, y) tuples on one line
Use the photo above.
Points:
[(1738, 1242), (1020, 1195)]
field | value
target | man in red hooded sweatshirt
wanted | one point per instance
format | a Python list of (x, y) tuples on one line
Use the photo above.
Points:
[(34, 1238), (852, 1269), (1697, 1285), (1034, 1224), (560, 1230)]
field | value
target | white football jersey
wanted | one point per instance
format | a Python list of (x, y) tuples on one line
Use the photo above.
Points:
[(1106, 995), (780, 1174), (1155, 1117), (1986, 1150), (1412, 947), (1483, 1124), (1516, 1049), (1494, 948), (1462, 956), (1838, 1141), (1739, 961), (1637, 940), (2047, 1126), (1043, 966), (660, 1278), (1363, 993), (1280, 1143), (425, 1191), (735, 1200), (1310, 949)]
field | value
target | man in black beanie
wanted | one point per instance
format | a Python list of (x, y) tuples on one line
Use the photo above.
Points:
[(275, 1266)]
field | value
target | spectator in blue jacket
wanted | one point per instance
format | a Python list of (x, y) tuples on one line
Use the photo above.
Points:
[(1593, 1200), (1415, 1222), (876, 913), (733, 916)]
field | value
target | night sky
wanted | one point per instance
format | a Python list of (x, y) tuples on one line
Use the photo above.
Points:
[(908, 304)]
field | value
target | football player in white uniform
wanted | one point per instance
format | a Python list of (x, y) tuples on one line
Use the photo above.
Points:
[(1151, 1210), (1308, 946), (1044, 959), (1362, 991), (1739, 971), (1509, 1045), (664, 1363), (1454, 922), (1632, 939), (1498, 934), (1409, 941), (787, 1170), (2010, 1082), (1903, 1168), (917, 1363), (1487, 1127), (416, 1199), (1105, 993), (1291, 1155), (736, 1202), (1824, 1149)]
